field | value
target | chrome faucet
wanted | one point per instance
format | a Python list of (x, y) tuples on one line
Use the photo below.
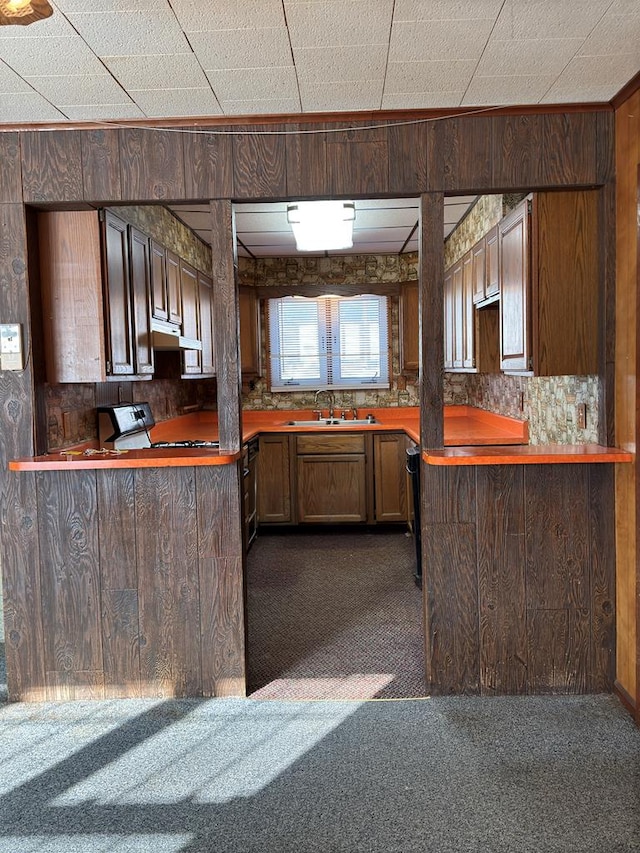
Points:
[(330, 398)]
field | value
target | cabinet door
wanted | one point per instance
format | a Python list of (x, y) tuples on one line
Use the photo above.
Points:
[(205, 291), (190, 316), (249, 333), (458, 316), (468, 330), (448, 320), (331, 488), (274, 480), (174, 294), (159, 305), (479, 270), (117, 295), (515, 336), (492, 240), (409, 327), (141, 300), (390, 477)]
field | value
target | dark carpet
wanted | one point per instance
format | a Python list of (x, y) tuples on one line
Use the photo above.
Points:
[(445, 775), (334, 615)]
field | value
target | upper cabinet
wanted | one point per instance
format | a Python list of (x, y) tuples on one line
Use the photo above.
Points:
[(106, 334), (549, 285), (165, 284), (409, 327), (249, 308)]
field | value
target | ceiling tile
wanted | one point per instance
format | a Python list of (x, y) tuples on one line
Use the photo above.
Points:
[(484, 91), (254, 83), (421, 100), (323, 97), (447, 40), (428, 76), (109, 5), (79, 89), (613, 35), (10, 82), (542, 19), (102, 112), (27, 106), (527, 58), (235, 49), (157, 72), (59, 56), (571, 93), (203, 15), (56, 25), (327, 64), (625, 7), (449, 10), (176, 102), (333, 23), (589, 71), (261, 107), (130, 32)]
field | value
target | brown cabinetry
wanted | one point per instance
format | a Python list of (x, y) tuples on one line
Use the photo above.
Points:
[(191, 359), (165, 284), (492, 258), (390, 477), (274, 479), (409, 321), (105, 334), (207, 355), (549, 285), (249, 307), (331, 478)]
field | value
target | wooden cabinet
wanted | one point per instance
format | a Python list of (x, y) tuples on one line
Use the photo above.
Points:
[(549, 285), (459, 331), (249, 308), (331, 478), (191, 359), (207, 355), (448, 320), (492, 259), (390, 477), (274, 479), (165, 284), (106, 334), (409, 323), (479, 270)]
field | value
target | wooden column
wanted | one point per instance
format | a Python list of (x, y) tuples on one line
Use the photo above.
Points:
[(431, 273)]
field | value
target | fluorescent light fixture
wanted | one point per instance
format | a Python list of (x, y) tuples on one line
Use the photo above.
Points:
[(23, 12), (322, 225)]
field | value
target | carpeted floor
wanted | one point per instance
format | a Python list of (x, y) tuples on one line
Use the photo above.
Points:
[(445, 775), (334, 615)]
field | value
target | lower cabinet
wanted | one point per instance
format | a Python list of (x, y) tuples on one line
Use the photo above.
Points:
[(331, 478), (249, 492), (390, 477), (274, 479)]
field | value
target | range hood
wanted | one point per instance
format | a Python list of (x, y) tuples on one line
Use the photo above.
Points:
[(166, 336)]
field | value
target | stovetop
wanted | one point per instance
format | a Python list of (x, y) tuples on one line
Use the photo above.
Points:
[(186, 443)]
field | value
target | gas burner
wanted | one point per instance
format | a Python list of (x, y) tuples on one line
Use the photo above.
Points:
[(187, 443)]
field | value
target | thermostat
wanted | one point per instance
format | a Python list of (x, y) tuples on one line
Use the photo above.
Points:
[(11, 352)]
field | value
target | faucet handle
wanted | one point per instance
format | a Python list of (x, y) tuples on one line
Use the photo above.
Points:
[(318, 412)]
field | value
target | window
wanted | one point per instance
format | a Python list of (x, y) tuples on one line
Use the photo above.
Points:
[(328, 342)]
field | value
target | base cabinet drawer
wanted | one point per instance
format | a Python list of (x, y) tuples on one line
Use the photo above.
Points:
[(332, 488)]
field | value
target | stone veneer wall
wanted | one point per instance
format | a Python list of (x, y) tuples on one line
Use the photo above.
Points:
[(333, 271), (548, 403)]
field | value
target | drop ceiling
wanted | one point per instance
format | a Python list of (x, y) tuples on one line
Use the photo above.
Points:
[(110, 60), (381, 226)]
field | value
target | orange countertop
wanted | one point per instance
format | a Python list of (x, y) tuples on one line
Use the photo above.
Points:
[(486, 439), (541, 454)]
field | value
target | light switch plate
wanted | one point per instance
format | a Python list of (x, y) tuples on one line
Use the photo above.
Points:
[(11, 350)]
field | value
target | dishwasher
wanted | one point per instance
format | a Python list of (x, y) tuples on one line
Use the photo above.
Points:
[(413, 468)]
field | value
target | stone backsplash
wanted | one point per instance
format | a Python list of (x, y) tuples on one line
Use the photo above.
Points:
[(339, 269), (486, 212), (548, 403)]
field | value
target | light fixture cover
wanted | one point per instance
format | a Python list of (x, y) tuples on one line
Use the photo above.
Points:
[(322, 225), (23, 12)]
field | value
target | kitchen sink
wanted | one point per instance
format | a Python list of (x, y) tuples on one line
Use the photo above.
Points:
[(334, 422)]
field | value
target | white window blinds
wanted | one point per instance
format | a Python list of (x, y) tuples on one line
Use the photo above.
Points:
[(328, 342)]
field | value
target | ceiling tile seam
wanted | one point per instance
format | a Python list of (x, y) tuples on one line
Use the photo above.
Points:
[(293, 60), (482, 52), (577, 53), (35, 91), (197, 59), (386, 62)]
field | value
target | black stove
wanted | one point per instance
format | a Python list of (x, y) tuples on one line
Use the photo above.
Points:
[(187, 443)]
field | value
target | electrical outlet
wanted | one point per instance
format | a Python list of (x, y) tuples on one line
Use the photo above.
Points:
[(11, 352), (582, 416)]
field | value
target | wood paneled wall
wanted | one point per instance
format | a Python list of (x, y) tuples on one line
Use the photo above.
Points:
[(519, 578), (204, 587), (627, 130)]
